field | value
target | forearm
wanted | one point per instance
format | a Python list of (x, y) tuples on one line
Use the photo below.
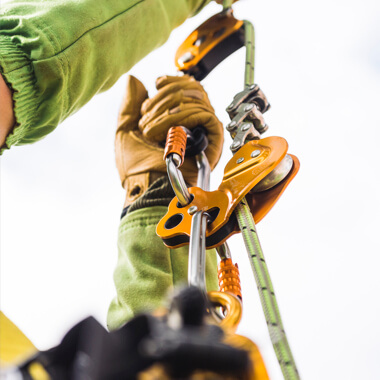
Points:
[(7, 118), (57, 55)]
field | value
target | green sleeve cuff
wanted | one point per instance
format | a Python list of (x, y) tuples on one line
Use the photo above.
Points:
[(56, 55), (17, 70)]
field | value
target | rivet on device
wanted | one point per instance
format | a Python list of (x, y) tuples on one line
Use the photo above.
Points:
[(236, 144), (192, 210), (187, 57), (245, 127), (255, 153), (231, 125)]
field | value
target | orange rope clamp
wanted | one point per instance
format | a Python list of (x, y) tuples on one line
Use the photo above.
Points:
[(176, 142), (229, 278)]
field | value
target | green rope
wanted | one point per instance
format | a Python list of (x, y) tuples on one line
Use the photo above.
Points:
[(249, 33), (266, 292), (252, 244)]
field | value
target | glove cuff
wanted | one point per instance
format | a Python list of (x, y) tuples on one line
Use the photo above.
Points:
[(137, 184)]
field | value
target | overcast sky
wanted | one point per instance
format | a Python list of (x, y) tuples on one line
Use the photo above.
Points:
[(319, 65)]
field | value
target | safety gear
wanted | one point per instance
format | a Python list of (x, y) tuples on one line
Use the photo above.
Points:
[(143, 125)]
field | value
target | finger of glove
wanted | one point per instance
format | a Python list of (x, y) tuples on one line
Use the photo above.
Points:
[(188, 89), (130, 111), (190, 116), (169, 105), (158, 126), (168, 79)]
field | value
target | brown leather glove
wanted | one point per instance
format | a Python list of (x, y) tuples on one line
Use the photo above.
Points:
[(143, 125)]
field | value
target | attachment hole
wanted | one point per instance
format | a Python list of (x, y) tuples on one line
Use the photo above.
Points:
[(191, 199), (173, 221), (213, 214), (219, 32), (199, 41)]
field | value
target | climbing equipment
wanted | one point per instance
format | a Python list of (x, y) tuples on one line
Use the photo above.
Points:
[(184, 340), (254, 179)]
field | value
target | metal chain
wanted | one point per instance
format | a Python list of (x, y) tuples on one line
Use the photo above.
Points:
[(256, 256)]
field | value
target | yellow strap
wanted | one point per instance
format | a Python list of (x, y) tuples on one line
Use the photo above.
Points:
[(14, 345)]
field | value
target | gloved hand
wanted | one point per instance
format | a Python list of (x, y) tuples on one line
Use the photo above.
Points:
[(143, 125)]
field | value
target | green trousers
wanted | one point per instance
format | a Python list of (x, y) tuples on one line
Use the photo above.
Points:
[(146, 269)]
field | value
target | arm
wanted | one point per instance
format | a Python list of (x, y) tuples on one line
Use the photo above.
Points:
[(7, 118), (57, 55)]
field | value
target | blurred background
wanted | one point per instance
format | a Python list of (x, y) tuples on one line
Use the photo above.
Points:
[(319, 65)]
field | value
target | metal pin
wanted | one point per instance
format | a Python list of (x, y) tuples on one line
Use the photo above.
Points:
[(187, 57), (245, 127), (236, 144), (255, 153), (192, 210), (240, 160), (231, 125), (248, 107)]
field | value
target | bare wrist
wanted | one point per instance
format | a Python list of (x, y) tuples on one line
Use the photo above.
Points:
[(7, 118)]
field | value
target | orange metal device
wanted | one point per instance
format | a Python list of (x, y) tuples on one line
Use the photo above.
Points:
[(241, 174), (176, 142), (229, 278), (210, 44), (233, 307)]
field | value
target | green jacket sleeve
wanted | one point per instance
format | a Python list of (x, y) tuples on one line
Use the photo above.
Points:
[(56, 55)]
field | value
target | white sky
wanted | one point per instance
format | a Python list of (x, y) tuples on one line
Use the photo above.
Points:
[(319, 65)]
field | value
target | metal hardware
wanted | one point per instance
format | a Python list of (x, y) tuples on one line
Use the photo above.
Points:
[(235, 145), (276, 175), (187, 57), (246, 126), (231, 126), (197, 252), (245, 132), (224, 251), (176, 179), (229, 278), (247, 106), (255, 153), (250, 167), (192, 210), (197, 245), (210, 44), (204, 171), (232, 305), (251, 95), (238, 180)]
